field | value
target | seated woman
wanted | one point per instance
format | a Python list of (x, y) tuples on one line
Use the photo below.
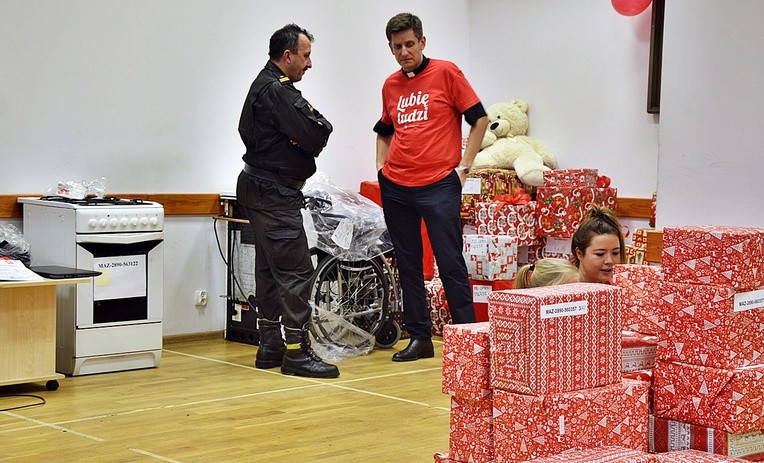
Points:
[(597, 246), (546, 272)]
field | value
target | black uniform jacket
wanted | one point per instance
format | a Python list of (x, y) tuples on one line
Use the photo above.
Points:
[(282, 132)]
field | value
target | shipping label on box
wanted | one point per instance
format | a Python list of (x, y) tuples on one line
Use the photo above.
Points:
[(555, 338), (528, 427), (471, 433), (671, 435), (501, 218), (466, 361), (560, 210), (701, 326), (732, 400), (642, 285), (490, 257), (714, 255)]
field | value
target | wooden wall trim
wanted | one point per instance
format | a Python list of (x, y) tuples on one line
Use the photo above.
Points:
[(174, 203), (637, 208)]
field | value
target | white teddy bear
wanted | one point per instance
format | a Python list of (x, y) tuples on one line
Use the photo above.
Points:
[(505, 144)]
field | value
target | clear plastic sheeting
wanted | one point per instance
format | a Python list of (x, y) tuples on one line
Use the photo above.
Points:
[(338, 338), (347, 225), (79, 190), (13, 245)]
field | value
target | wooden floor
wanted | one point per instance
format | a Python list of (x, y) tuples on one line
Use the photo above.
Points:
[(207, 403)]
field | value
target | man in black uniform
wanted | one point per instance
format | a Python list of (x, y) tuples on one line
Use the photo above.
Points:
[(283, 135)]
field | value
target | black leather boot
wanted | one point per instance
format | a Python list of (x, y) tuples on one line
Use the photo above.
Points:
[(270, 353), (417, 349), (300, 360)]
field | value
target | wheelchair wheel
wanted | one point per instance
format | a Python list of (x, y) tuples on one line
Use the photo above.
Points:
[(356, 291)]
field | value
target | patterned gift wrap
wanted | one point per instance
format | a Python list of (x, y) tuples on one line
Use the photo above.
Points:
[(714, 255), (490, 257), (481, 290), (492, 182), (637, 351), (527, 427), (571, 177), (532, 253), (695, 456), (443, 457), (555, 338), (671, 435), (704, 325), (641, 296), (605, 454), (436, 301), (466, 361), (501, 218), (471, 434), (560, 210), (634, 255), (731, 400)]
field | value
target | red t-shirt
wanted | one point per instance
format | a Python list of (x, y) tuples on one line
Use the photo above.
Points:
[(426, 112)]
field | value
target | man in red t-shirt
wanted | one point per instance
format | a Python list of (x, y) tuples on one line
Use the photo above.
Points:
[(421, 173)]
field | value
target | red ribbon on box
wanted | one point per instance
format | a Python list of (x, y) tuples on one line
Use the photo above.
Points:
[(603, 181), (518, 199)]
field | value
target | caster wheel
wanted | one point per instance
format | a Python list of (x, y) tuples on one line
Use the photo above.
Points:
[(388, 335), (51, 385)]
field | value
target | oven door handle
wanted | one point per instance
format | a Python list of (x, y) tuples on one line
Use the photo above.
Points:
[(121, 238)]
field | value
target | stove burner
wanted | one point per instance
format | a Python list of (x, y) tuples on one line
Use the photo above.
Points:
[(95, 201)]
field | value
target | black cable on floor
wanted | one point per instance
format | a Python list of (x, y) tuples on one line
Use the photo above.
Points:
[(41, 401)]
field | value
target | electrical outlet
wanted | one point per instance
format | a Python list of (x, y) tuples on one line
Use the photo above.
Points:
[(201, 297)]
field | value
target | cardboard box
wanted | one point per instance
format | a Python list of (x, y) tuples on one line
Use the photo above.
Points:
[(527, 427), (730, 400), (642, 286), (471, 435), (555, 338), (466, 361), (671, 435)]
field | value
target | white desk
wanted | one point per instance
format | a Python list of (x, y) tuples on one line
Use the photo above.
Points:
[(28, 331)]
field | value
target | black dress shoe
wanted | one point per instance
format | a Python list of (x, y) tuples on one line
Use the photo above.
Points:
[(417, 349)]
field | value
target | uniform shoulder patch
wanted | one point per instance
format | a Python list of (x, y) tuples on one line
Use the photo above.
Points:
[(283, 79)]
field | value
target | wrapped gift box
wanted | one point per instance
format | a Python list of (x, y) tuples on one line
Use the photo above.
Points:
[(471, 435), (532, 253), (555, 338), (711, 325), (483, 184), (605, 454), (571, 177), (671, 435), (634, 255), (714, 255), (637, 351), (481, 290), (436, 301), (732, 400), (503, 218), (641, 284), (695, 456), (527, 427), (490, 257), (560, 210), (466, 361), (558, 248), (443, 457)]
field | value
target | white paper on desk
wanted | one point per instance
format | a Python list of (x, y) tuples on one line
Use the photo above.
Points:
[(14, 270)]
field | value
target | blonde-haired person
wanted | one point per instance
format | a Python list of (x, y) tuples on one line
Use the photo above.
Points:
[(598, 245), (546, 272)]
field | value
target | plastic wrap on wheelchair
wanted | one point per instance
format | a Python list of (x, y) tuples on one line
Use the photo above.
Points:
[(345, 224)]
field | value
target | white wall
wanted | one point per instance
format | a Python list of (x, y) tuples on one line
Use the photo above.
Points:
[(712, 107)]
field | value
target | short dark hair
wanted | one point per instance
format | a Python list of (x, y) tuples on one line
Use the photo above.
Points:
[(403, 22), (599, 221), (286, 38)]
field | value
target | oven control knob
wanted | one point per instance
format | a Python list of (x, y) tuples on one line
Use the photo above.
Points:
[(153, 221), (134, 222), (113, 223), (92, 223), (103, 223), (144, 221), (123, 221)]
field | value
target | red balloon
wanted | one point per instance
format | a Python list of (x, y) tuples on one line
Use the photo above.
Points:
[(630, 7)]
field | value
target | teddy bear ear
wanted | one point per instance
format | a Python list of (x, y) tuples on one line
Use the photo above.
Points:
[(521, 104)]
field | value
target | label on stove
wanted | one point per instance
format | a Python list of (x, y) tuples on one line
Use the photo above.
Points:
[(121, 277)]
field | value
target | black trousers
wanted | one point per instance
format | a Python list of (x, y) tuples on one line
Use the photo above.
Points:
[(439, 205), (283, 267)]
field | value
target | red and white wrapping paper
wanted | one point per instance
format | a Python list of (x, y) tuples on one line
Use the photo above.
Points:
[(490, 257), (714, 255), (711, 325), (480, 292), (641, 284), (527, 427), (555, 338), (671, 435), (560, 210), (694, 456), (466, 361), (731, 400), (443, 457), (436, 301), (605, 454), (471, 435), (637, 351), (571, 177), (502, 218), (483, 184)]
